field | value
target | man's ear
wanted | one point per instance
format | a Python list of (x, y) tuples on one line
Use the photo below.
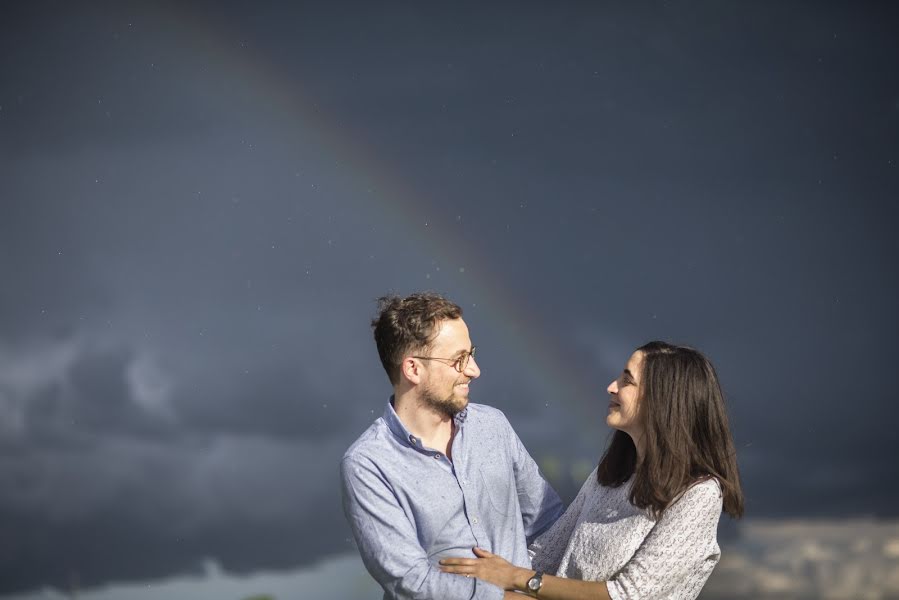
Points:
[(410, 370)]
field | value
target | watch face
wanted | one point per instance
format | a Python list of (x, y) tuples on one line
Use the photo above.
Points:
[(533, 584)]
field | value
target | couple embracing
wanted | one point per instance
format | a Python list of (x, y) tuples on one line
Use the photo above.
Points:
[(445, 503)]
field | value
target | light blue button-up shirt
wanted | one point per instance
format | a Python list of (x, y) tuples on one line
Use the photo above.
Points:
[(409, 506)]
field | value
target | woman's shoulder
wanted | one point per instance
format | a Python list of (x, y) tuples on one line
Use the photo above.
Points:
[(708, 485), (704, 492)]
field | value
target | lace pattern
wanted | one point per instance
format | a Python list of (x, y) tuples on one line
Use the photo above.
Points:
[(603, 537)]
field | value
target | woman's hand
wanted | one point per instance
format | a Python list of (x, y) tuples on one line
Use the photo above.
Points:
[(489, 567)]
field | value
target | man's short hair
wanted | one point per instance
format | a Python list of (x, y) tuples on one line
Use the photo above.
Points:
[(408, 324)]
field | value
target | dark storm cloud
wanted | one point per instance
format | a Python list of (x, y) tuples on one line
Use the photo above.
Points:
[(200, 205), (62, 392), (139, 510), (105, 472), (94, 399)]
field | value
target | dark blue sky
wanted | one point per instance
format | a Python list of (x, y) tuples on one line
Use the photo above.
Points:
[(201, 204)]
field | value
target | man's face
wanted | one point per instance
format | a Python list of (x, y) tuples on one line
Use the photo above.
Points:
[(443, 387)]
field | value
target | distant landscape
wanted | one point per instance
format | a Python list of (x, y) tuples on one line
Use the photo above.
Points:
[(768, 560), (851, 559)]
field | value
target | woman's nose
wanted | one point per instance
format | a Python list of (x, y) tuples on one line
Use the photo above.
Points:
[(613, 387)]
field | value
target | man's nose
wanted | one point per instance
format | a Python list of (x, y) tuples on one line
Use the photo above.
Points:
[(472, 370)]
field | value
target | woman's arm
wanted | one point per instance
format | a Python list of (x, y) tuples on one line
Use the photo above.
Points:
[(559, 588), (496, 570)]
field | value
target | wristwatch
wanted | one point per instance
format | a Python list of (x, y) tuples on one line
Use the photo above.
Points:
[(535, 583)]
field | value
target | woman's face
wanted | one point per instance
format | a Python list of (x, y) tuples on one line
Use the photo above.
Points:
[(624, 394)]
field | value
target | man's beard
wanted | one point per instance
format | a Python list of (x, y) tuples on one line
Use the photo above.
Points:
[(449, 406)]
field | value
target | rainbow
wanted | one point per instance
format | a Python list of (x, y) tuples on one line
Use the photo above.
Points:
[(284, 94)]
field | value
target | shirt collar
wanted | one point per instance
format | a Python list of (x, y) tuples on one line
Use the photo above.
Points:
[(399, 430), (395, 425)]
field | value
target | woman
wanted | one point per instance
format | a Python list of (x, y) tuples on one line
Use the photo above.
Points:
[(644, 523)]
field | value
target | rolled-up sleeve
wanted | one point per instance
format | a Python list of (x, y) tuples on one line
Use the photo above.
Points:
[(679, 553), (389, 545)]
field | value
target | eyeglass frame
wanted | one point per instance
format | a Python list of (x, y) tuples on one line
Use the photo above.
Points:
[(456, 363)]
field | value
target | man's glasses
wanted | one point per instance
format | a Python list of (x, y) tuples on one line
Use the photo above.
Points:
[(459, 364)]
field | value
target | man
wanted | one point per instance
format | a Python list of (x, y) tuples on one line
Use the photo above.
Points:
[(436, 476)]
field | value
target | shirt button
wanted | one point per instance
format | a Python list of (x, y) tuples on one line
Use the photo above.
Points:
[(437, 456), (474, 520), (412, 438)]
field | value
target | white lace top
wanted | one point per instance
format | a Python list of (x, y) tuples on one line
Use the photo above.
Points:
[(603, 537)]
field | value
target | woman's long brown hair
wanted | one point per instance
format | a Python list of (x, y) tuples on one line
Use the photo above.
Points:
[(686, 435)]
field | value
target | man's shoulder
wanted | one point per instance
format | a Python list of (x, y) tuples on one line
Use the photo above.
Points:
[(372, 442), (488, 419), (485, 413)]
